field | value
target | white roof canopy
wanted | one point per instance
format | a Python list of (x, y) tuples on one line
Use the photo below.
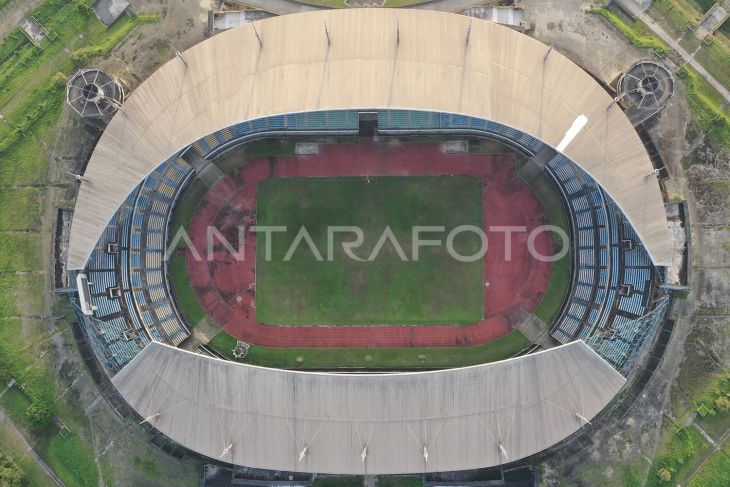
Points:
[(500, 75), (460, 419)]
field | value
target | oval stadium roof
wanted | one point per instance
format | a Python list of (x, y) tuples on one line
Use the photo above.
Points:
[(499, 75), (448, 420)]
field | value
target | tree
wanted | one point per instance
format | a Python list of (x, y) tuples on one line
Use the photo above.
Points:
[(665, 475), (723, 403), (39, 414), (60, 78), (10, 474)]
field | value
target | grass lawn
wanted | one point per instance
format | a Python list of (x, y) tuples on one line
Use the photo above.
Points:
[(716, 59), (635, 31), (386, 481), (338, 482), (435, 289), (707, 104), (716, 472), (184, 294), (395, 358), (678, 450), (559, 283), (31, 102)]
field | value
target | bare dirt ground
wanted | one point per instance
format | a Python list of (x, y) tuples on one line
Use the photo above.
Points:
[(582, 37), (700, 347)]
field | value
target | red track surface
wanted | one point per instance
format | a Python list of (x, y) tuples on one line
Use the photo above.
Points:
[(225, 286)]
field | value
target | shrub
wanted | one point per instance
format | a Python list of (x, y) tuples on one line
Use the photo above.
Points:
[(60, 78), (39, 414)]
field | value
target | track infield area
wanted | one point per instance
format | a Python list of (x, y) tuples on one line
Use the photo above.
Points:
[(346, 304), (375, 284)]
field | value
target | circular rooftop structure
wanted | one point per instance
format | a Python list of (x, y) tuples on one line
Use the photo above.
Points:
[(646, 86), (92, 93)]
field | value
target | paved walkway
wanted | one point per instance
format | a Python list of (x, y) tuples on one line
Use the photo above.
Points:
[(685, 55)]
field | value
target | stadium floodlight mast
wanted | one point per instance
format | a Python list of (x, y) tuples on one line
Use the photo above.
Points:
[(258, 37), (179, 55), (364, 454), (303, 453), (550, 49), (397, 32), (149, 418), (327, 34), (425, 453), (226, 450), (503, 451), (79, 177), (582, 418)]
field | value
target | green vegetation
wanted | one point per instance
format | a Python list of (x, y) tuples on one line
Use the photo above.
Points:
[(31, 100), (13, 449), (707, 104), (716, 59), (635, 31), (188, 204), (400, 358), (384, 481), (713, 408), (11, 474), (678, 450), (185, 296), (551, 302), (680, 15), (716, 472), (338, 482), (433, 289)]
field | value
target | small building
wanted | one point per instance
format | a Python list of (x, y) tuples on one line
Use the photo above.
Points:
[(108, 11)]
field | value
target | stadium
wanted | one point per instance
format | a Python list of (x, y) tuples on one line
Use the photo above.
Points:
[(345, 117)]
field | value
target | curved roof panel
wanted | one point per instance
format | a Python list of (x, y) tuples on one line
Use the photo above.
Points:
[(446, 420), (499, 75)]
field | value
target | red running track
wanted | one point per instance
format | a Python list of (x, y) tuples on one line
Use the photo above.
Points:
[(225, 285)]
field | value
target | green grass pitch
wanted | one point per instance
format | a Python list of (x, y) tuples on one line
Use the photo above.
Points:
[(436, 289)]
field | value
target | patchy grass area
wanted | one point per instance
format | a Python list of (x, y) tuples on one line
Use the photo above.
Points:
[(296, 288), (679, 15), (338, 482), (713, 408), (635, 31), (185, 296), (707, 104), (385, 481), (386, 358), (716, 472), (678, 450), (557, 289), (716, 59)]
